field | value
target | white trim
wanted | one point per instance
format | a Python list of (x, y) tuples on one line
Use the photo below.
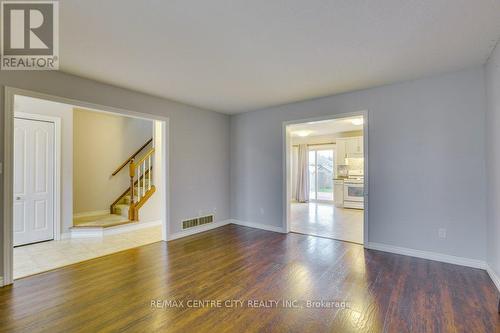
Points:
[(286, 173), (261, 226), (428, 255), (119, 229), (8, 250), (91, 213), (199, 229), (57, 163), (494, 277), (164, 191), (366, 175), (9, 93)]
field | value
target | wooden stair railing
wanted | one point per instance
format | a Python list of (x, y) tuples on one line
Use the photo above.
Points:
[(127, 161), (141, 176), (126, 192), (145, 191)]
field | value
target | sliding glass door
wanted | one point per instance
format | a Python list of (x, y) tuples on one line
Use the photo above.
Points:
[(321, 162)]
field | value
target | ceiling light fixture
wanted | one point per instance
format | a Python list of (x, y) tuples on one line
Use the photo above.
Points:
[(357, 121), (302, 134), (320, 122)]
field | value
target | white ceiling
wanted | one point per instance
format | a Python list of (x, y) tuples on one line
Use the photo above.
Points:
[(239, 55), (326, 127)]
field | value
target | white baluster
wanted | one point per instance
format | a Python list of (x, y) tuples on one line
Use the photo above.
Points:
[(143, 165), (149, 173), (138, 184)]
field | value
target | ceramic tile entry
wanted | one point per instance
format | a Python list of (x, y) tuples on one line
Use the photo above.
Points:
[(41, 257), (326, 220)]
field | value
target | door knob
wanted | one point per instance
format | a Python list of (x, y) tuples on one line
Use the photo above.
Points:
[(18, 198)]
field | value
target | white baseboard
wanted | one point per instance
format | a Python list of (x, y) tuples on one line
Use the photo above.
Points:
[(66, 235), (91, 213), (196, 230), (428, 255), (494, 277), (100, 232), (258, 226)]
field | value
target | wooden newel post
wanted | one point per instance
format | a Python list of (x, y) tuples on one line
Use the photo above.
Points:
[(131, 210)]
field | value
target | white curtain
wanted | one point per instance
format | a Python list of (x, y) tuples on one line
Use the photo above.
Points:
[(302, 189)]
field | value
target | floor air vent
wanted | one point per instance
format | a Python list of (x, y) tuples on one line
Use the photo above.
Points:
[(197, 221)]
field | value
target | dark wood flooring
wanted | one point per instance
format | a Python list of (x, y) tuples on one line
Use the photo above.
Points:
[(384, 292)]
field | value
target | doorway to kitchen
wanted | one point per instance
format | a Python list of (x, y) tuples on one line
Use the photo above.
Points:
[(325, 177)]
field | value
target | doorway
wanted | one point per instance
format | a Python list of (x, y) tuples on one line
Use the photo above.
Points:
[(324, 172), (38, 233)]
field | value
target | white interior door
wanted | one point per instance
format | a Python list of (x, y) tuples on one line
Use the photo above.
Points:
[(33, 181)]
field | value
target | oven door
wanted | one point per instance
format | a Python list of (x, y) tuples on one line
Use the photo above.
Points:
[(353, 192)]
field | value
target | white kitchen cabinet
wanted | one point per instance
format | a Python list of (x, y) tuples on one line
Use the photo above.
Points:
[(354, 147), (341, 153), (351, 146), (338, 194), (361, 143), (348, 148)]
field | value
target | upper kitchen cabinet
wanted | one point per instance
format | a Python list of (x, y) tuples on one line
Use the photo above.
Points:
[(355, 147), (349, 148), (341, 152)]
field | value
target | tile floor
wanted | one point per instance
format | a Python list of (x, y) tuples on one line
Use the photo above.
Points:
[(323, 219), (41, 257)]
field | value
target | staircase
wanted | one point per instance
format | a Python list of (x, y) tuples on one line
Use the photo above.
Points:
[(125, 209), (141, 186), (141, 189), (122, 206)]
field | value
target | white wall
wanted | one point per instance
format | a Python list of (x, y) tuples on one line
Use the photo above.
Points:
[(101, 143), (198, 141), (426, 166), (151, 211), (493, 159), (65, 113)]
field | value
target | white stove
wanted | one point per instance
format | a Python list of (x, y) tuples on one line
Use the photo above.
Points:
[(354, 193)]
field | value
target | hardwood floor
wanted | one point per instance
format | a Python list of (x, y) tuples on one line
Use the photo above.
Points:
[(384, 292)]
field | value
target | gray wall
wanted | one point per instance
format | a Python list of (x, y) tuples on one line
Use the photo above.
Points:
[(426, 167), (493, 159), (199, 151)]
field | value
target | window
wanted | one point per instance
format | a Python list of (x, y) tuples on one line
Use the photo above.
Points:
[(321, 164)]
